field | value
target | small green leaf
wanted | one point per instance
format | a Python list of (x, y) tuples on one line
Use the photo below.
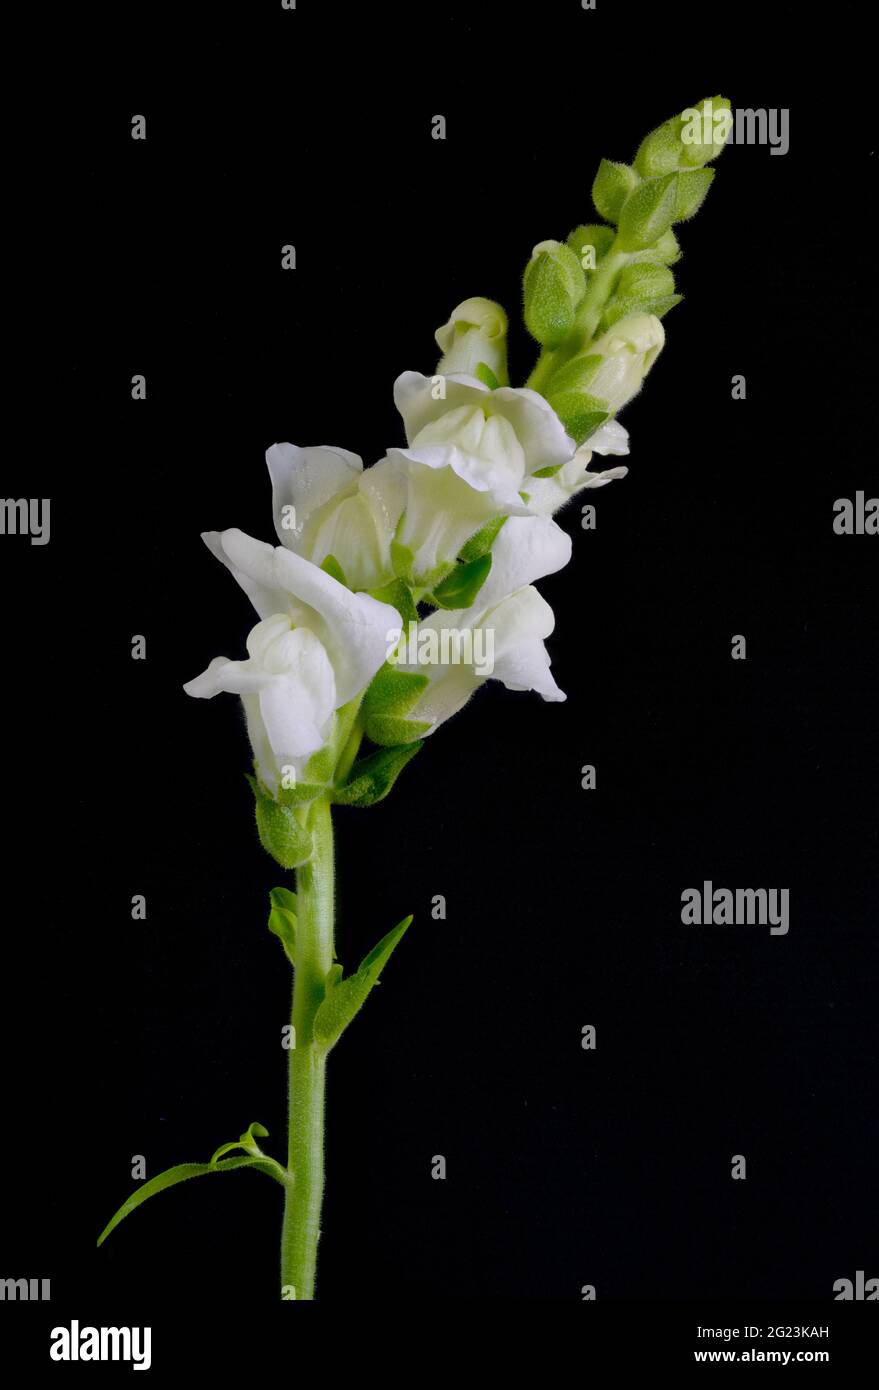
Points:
[(576, 374), (373, 777), (181, 1173), (245, 1141), (399, 596), (330, 565), (484, 374), (622, 308), (280, 833), (282, 920), (344, 999), (480, 543), (459, 589)]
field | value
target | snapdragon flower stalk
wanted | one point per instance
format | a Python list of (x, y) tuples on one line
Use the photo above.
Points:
[(397, 590)]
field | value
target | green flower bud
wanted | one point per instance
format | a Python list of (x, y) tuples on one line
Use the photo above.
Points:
[(612, 186), (649, 213), (590, 243), (704, 130), (660, 152), (476, 333), (554, 284), (641, 289), (691, 139)]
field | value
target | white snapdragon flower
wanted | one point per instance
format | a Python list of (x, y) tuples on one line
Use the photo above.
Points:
[(326, 503), (471, 453), (503, 632), (547, 495), (316, 646)]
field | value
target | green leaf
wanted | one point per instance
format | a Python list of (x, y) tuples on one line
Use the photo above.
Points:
[(460, 588), (373, 777), (480, 543), (399, 596), (484, 374), (172, 1176), (344, 999), (648, 214), (666, 251), (245, 1141), (280, 833), (282, 920), (642, 280), (612, 186)]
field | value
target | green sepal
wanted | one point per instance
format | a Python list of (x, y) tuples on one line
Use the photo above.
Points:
[(280, 833), (580, 414), (591, 234), (330, 565), (172, 1176), (612, 186), (459, 589), (389, 698), (402, 561), (693, 186), (698, 152), (484, 374), (318, 770), (301, 793), (282, 920), (576, 374), (666, 251), (344, 999), (245, 1141), (622, 308), (480, 544), (648, 214), (373, 777), (548, 472), (399, 595)]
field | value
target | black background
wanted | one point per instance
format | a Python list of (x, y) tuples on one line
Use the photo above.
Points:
[(162, 1038)]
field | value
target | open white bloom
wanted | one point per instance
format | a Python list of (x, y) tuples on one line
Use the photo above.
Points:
[(326, 503), (316, 647), (502, 634), (471, 453), (547, 495)]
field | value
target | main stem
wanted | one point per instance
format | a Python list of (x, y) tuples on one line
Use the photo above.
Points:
[(308, 1062)]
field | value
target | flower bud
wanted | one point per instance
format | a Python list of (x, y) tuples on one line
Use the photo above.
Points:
[(476, 333), (554, 285), (612, 186), (628, 351)]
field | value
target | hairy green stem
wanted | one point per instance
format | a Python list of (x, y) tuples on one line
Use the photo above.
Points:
[(307, 1064)]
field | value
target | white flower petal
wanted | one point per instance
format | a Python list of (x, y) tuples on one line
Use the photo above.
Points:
[(306, 479), (527, 548)]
